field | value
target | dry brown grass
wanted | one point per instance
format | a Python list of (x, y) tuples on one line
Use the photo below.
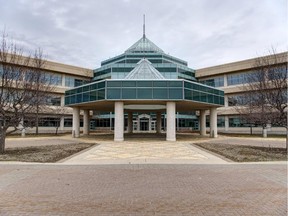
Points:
[(43, 154), (240, 153)]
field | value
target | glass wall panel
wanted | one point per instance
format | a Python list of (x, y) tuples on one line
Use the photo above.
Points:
[(160, 93), (160, 84), (175, 84), (128, 93), (101, 94), (129, 84), (196, 95), (188, 94), (78, 98), (144, 83), (175, 93), (144, 93), (86, 88), (93, 95), (220, 121), (114, 93), (114, 84), (86, 96), (101, 85)]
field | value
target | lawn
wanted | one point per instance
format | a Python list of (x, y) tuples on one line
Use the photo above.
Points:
[(239, 153), (43, 154)]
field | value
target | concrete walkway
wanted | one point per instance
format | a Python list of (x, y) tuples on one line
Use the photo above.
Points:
[(143, 152)]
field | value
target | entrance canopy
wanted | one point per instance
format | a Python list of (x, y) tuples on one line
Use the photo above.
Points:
[(143, 91)]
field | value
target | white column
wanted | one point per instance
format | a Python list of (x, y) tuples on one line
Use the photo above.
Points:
[(22, 128), (213, 123), (138, 123), (149, 124), (226, 123), (86, 122), (119, 121), (158, 124), (63, 80), (202, 122), (171, 127), (76, 122), (226, 101), (61, 127), (62, 101), (225, 80), (130, 122)]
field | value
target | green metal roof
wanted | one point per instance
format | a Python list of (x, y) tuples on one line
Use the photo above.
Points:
[(144, 45)]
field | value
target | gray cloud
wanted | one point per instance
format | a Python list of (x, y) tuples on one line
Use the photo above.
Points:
[(202, 32)]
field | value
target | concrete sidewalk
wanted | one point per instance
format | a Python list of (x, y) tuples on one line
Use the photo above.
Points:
[(145, 153)]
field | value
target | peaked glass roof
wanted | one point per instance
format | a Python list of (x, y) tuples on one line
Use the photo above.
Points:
[(144, 70), (144, 45)]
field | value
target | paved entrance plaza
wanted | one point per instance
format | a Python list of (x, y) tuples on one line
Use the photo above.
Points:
[(141, 176), (143, 190), (150, 149)]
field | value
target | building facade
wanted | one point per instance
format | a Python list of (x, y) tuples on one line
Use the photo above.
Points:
[(230, 78), (63, 77), (148, 88), (146, 79)]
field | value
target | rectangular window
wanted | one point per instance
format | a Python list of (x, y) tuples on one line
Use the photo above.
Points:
[(114, 93), (220, 121), (53, 101), (129, 84), (175, 83), (129, 93), (188, 94), (160, 84), (144, 83), (93, 95), (144, 93), (241, 78), (175, 93), (101, 94), (160, 93), (114, 83), (215, 82)]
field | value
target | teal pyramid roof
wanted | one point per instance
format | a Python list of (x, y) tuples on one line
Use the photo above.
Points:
[(144, 45), (144, 70)]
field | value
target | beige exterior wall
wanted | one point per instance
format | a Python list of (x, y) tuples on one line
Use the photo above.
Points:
[(65, 71), (232, 67), (235, 68)]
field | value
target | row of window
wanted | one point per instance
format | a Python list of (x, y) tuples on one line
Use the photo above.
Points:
[(144, 93), (278, 72), (215, 82), (203, 97), (46, 77), (122, 72), (144, 90)]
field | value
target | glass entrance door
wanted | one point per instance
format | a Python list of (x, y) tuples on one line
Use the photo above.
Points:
[(144, 124)]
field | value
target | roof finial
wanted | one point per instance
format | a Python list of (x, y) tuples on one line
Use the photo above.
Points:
[(144, 26)]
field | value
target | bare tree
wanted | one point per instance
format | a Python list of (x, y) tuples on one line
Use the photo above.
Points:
[(21, 86), (59, 112), (264, 100), (44, 84)]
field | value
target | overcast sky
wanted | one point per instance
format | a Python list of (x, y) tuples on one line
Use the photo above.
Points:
[(202, 32)]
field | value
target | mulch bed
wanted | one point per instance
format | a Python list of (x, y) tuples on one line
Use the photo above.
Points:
[(43, 154), (239, 153)]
